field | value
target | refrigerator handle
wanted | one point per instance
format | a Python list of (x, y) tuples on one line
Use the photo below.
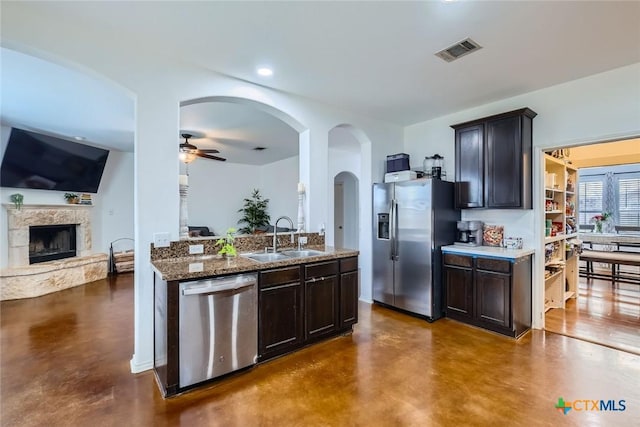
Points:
[(395, 249), (391, 233)]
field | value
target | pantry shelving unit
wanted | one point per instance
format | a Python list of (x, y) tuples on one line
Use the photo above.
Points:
[(561, 260)]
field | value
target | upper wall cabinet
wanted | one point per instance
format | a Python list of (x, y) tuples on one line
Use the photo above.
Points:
[(493, 161)]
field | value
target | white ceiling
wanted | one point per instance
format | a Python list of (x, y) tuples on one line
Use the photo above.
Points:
[(372, 58)]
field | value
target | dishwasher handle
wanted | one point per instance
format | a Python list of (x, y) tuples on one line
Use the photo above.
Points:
[(225, 285)]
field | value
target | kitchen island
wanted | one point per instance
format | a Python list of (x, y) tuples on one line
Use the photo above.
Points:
[(299, 301), (489, 287)]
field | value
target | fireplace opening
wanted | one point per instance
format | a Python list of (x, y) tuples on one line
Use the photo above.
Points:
[(51, 242)]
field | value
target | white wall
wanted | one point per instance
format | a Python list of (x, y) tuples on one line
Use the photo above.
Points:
[(217, 190), (279, 183), (112, 212), (601, 107)]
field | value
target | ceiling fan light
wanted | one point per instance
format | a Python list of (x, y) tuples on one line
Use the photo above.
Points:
[(186, 157)]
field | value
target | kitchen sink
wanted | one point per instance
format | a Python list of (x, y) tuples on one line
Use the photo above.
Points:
[(278, 256), (303, 253), (266, 257)]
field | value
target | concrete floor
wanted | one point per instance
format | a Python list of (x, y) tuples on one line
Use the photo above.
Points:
[(65, 362)]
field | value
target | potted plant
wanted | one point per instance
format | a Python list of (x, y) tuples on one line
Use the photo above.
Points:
[(71, 198), (17, 199), (254, 213), (227, 248)]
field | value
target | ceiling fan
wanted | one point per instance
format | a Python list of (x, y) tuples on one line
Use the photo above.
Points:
[(189, 152)]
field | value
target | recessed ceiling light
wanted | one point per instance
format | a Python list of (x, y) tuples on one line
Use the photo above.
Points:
[(265, 72), (79, 138)]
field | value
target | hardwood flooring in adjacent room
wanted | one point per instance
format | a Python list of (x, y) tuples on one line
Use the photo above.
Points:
[(601, 314), (65, 362)]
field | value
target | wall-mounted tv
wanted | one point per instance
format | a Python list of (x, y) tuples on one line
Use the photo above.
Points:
[(33, 160)]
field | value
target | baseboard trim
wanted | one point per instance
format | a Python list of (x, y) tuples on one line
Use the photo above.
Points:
[(137, 367)]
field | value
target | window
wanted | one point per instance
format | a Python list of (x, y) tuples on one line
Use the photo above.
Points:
[(629, 201), (590, 196), (614, 189)]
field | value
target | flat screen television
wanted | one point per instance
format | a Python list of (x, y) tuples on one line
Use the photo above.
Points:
[(33, 160)]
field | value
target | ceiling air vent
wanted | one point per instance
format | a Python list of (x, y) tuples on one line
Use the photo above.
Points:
[(459, 49)]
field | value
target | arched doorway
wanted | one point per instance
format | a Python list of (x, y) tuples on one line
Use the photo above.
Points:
[(350, 165), (345, 211), (261, 146)]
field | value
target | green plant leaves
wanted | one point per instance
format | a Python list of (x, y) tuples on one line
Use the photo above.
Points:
[(254, 213)]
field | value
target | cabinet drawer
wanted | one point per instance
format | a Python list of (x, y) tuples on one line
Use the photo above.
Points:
[(460, 260), (498, 265), (321, 269), (348, 264), (279, 276)]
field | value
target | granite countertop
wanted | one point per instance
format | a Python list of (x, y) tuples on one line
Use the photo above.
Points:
[(198, 266), (488, 251)]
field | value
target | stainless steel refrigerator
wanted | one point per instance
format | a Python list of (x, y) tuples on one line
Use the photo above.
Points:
[(411, 221)]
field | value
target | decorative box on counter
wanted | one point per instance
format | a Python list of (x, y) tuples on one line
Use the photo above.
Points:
[(512, 243)]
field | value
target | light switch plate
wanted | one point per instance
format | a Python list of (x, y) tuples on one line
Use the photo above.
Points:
[(161, 240), (302, 240), (196, 249)]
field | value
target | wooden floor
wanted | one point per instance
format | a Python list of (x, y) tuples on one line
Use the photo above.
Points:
[(65, 362), (601, 314)]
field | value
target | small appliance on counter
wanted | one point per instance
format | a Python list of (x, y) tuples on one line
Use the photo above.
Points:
[(398, 162), (400, 176), (469, 233), (434, 166)]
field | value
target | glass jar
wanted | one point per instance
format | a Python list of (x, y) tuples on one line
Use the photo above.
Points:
[(426, 166)]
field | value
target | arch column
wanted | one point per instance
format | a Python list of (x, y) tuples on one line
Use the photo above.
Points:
[(156, 167), (314, 155)]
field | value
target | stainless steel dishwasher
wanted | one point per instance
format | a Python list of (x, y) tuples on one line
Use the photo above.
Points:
[(218, 327)]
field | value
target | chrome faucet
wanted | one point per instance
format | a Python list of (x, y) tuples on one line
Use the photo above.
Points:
[(275, 232)]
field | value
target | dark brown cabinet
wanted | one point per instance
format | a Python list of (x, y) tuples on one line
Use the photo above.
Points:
[(279, 312), (348, 310), (321, 299), (469, 190), (491, 293), (494, 161), (299, 305), (494, 298), (458, 281)]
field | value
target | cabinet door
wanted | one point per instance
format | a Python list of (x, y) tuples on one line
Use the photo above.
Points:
[(348, 299), (470, 167), (280, 326), (459, 287), (493, 298), (504, 172), (321, 306)]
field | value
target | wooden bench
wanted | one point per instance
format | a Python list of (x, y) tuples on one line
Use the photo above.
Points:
[(614, 258)]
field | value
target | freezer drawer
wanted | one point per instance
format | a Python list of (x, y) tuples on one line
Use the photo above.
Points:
[(218, 327)]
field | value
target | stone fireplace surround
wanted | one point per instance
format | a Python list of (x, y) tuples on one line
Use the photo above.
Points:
[(21, 280)]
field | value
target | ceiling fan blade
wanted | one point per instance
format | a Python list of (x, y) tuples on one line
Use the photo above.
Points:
[(208, 150), (187, 147), (207, 156)]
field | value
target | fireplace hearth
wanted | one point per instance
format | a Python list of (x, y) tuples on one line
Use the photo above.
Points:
[(25, 279), (51, 242)]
